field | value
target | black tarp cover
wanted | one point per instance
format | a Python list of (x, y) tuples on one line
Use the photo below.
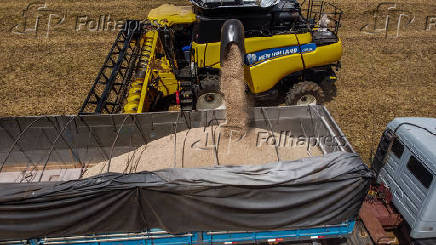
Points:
[(307, 192)]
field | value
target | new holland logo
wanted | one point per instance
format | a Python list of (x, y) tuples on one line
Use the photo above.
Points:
[(255, 58), (251, 58)]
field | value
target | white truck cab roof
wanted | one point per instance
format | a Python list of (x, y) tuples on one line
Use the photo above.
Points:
[(419, 134), (409, 172)]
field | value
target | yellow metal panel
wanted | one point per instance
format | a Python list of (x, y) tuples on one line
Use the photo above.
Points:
[(323, 55), (255, 44), (267, 74), (252, 44), (212, 54), (264, 76), (170, 14), (168, 85), (137, 89)]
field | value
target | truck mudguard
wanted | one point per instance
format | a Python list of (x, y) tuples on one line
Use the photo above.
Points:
[(308, 192)]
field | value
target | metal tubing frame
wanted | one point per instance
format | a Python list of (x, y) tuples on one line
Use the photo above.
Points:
[(120, 62)]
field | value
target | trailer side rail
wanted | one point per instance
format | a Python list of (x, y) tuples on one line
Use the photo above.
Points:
[(159, 237)]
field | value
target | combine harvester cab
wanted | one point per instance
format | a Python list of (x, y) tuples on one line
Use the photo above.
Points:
[(45, 199)]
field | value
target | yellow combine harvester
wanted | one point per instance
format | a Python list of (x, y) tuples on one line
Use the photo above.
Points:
[(173, 58)]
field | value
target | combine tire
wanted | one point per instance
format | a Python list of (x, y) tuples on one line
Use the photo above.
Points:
[(329, 87), (210, 83), (210, 100), (305, 93), (209, 95)]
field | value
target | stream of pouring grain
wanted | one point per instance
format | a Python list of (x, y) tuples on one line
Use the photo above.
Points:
[(233, 88)]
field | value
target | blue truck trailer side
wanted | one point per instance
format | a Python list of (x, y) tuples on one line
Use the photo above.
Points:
[(160, 237)]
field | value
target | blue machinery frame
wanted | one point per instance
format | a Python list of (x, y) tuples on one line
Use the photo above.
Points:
[(160, 237)]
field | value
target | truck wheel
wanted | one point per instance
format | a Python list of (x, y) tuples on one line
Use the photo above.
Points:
[(305, 93), (360, 235)]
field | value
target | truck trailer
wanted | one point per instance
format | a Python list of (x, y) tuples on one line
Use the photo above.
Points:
[(44, 198), (396, 209)]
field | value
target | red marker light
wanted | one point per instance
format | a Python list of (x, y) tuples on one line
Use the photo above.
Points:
[(177, 98)]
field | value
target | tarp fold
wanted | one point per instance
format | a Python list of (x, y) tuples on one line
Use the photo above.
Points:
[(314, 191)]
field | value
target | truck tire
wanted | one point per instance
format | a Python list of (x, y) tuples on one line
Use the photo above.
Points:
[(359, 236), (305, 93)]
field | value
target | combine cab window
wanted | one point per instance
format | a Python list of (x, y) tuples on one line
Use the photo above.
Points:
[(397, 148), (420, 172)]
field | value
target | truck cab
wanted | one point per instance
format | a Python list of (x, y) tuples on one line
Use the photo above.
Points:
[(405, 164)]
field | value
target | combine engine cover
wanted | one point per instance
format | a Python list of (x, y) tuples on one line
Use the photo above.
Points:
[(276, 17), (234, 3)]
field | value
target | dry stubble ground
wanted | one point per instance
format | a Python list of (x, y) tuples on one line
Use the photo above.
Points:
[(381, 78)]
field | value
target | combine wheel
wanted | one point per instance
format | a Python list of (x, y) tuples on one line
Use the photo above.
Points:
[(328, 84), (210, 83), (209, 96), (305, 93), (210, 100)]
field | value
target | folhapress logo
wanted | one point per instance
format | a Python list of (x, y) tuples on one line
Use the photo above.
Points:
[(389, 20), (38, 18)]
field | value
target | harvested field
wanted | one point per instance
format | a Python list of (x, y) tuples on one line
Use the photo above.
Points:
[(382, 77)]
